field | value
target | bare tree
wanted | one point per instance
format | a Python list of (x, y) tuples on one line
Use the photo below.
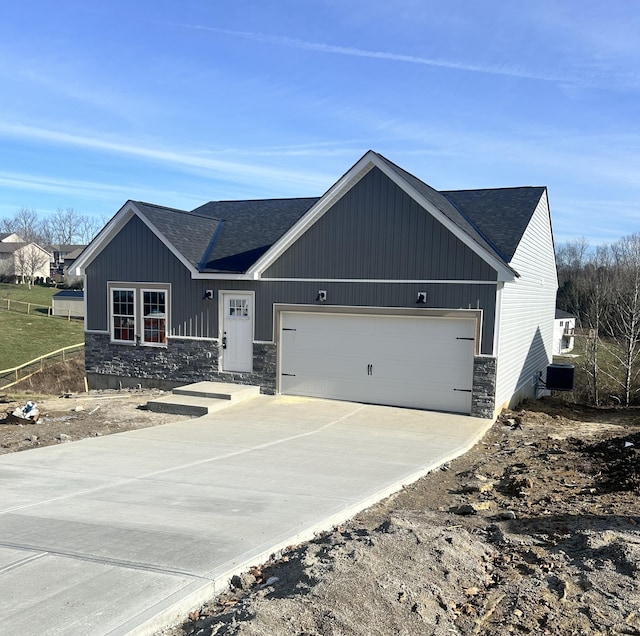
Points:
[(25, 224), (47, 231), (66, 224), (623, 321), (88, 227), (594, 281), (573, 285)]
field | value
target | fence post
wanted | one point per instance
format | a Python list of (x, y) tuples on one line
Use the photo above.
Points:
[(28, 308)]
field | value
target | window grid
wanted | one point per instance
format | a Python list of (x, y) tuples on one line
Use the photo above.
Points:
[(124, 317), (139, 315)]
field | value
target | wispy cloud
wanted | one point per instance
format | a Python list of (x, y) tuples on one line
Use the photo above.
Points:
[(487, 69), (93, 190), (214, 167)]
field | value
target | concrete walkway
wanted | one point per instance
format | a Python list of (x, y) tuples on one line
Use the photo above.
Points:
[(125, 534)]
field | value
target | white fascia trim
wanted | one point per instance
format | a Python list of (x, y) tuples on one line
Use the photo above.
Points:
[(382, 281), (100, 331), (210, 276), (109, 231)]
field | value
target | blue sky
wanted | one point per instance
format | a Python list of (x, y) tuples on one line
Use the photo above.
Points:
[(179, 103)]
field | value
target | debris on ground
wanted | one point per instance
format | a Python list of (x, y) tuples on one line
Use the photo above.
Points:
[(71, 417)]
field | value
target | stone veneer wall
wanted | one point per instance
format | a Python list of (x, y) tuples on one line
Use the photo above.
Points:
[(183, 361), (483, 396)]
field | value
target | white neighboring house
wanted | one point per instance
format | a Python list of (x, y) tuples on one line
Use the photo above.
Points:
[(21, 261), (564, 328)]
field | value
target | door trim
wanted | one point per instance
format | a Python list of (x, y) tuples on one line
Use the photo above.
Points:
[(221, 324)]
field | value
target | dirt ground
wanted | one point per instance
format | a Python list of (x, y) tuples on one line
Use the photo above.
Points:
[(73, 416), (535, 531)]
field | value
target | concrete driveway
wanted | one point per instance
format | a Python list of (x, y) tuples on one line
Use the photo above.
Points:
[(126, 533)]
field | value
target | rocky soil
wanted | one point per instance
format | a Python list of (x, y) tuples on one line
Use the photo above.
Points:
[(535, 531), (73, 416)]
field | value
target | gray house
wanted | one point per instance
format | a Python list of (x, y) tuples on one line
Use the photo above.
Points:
[(383, 290)]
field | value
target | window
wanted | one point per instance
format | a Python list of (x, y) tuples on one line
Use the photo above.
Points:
[(139, 315), (155, 316), (238, 308), (124, 315)]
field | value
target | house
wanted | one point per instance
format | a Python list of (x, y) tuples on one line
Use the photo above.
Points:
[(9, 237), (21, 260), (382, 290), (68, 303), (62, 256), (564, 328), (69, 277)]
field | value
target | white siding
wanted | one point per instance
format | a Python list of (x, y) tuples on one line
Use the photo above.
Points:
[(527, 311), (73, 307)]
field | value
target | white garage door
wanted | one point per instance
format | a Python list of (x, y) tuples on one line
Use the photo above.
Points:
[(396, 360)]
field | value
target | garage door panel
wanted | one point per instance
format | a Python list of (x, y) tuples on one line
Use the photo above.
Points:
[(403, 361)]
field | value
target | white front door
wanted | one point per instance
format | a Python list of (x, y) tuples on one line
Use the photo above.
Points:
[(237, 331)]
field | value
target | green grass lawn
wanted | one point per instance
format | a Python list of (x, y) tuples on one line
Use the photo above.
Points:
[(38, 294), (25, 337)]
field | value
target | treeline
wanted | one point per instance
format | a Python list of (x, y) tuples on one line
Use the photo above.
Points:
[(600, 286), (63, 227)]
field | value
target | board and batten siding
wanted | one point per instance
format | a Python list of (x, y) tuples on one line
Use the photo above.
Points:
[(137, 255), (527, 311), (377, 231)]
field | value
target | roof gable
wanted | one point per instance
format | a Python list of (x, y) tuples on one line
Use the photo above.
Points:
[(431, 200), (378, 232)]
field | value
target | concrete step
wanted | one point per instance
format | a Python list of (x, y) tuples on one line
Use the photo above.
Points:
[(202, 398), (219, 391)]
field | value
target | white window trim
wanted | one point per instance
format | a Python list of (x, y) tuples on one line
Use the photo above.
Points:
[(138, 290), (112, 327), (144, 342)]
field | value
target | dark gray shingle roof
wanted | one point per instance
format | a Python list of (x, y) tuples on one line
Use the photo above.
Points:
[(190, 233), (499, 215), (69, 293), (563, 314), (249, 229)]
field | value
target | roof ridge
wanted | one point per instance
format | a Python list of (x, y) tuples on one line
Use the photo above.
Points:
[(189, 212), (531, 187), (261, 199)]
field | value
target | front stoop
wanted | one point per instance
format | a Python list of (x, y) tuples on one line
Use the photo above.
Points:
[(202, 398)]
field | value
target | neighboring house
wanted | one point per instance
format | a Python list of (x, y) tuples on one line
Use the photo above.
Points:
[(564, 328), (10, 237), (68, 303), (59, 255), (22, 261), (383, 290), (69, 277)]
